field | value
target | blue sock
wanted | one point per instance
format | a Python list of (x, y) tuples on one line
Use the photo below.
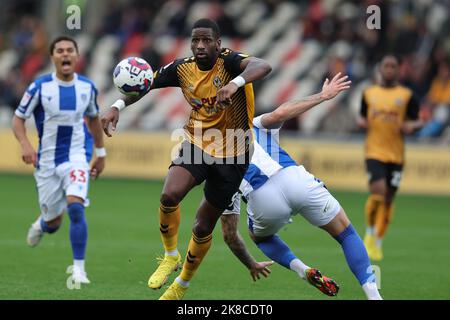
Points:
[(277, 250), (356, 255), (78, 230), (46, 228)]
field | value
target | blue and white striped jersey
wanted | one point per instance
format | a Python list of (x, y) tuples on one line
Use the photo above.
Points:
[(268, 158), (59, 108)]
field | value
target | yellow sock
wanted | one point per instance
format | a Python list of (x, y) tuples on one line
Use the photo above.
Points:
[(198, 247), (372, 204), (384, 217), (169, 219)]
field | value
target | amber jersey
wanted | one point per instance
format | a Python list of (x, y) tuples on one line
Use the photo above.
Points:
[(208, 124), (386, 108)]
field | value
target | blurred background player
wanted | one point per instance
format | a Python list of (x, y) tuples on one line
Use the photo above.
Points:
[(276, 188), (60, 102), (388, 111), (217, 84)]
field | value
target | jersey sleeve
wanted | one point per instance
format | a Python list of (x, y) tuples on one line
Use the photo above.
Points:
[(92, 109), (363, 110), (28, 102), (258, 124), (412, 110), (232, 61), (166, 76)]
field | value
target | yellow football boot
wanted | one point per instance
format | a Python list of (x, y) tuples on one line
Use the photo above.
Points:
[(167, 265), (175, 292), (369, 241), (376, 254)]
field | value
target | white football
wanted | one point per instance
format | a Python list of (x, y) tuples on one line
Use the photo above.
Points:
[(133, 76)]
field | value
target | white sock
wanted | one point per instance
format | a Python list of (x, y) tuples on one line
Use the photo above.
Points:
[(298, 266), (182, 282), (172, 253), (370, 231), (79, 264), (371, 291)]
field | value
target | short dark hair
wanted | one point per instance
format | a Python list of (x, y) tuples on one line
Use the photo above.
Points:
[(62, 38), (210, 24), (392, 55)]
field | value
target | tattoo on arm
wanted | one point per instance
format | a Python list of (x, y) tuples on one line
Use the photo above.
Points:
[(234, 240)]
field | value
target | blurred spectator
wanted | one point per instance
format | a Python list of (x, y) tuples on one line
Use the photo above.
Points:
[(438, 103), (149, 53)]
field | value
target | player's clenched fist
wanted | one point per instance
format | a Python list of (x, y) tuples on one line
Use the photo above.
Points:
[(224, 94)]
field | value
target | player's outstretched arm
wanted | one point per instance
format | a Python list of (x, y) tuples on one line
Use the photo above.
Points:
[(252, 69), (294, 108), (29, 155), (111, 116), (95, 129), (236, 244)]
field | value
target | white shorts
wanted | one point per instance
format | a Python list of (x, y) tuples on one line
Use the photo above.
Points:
[(290, 191), (53, 186)]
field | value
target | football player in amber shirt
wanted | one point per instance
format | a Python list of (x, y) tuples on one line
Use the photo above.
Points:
[(216, 83), (388, 111)]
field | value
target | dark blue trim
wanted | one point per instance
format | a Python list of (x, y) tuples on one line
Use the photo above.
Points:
[(63, 141), (67, 98)]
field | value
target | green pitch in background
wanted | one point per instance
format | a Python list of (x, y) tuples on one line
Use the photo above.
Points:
[(124, 241)]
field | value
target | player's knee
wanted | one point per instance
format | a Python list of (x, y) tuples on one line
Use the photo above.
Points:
[(169, 199), (202, 229), (378, 187), (76, 212), (73, 199)]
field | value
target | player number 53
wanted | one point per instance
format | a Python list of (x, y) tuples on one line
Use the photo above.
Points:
[(78, 176)]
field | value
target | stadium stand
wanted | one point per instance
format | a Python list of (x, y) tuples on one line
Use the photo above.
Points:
[(305, 41)]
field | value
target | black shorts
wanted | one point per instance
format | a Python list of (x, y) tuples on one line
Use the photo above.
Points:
[(391, 172), (222, 176)]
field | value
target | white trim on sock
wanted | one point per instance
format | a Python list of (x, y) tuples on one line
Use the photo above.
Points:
[(172, 253), (79, 264), (371, 291), (182, 282), (298, 266)]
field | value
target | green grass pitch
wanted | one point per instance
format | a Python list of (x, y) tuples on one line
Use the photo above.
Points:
[(124, 241)]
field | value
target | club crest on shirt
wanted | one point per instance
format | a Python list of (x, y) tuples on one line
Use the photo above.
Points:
[(217, 82), (398, 102), (25, 99), (84, 97)]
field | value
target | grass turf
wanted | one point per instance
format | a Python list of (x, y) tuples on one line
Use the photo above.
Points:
[(124, 241)]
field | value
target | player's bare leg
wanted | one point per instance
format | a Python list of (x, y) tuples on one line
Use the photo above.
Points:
[(178, 183), (39, 227), (355, 252), (205, 221)]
